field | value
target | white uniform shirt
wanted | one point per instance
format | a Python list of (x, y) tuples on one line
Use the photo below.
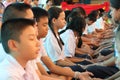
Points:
[(100, 23), (10, 69), (69, 40), (91, 28), (42, 51), (42, 2), (52, 47), (2, 52), (86, 28)]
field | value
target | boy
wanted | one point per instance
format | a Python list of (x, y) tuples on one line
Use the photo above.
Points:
[(19, 10), (16, 39)]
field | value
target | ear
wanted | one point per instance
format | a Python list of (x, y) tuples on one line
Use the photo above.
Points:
[(70, 19), (12, 44), (53, 20)]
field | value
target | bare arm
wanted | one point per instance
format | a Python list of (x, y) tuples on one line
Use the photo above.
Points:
[(75, 59), (42, 69), (113, 77), (64, 71), (57, 69)]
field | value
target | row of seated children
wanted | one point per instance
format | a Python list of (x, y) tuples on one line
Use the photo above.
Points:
[(26, 11), (59, 41)]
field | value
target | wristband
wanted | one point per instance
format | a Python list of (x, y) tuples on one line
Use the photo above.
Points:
[(76, 75)]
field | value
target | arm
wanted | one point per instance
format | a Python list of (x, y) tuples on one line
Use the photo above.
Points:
[(65, 62), (57, 69), (75, 59), (42, 69), (113, 77), (109, 62), (64, 71)]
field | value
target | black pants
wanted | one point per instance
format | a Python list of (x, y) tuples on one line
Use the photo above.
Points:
[(102, 71), (77, 68), (106, 52)]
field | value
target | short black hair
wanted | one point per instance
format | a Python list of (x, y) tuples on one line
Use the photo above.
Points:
[(12, 29), (39, 12), (15, 10), (93, 15), (115, 4)]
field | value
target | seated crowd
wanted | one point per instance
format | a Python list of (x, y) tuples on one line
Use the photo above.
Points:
[(51, 44)]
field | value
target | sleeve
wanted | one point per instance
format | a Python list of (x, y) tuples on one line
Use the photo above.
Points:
[(52, 48), (70, 45)]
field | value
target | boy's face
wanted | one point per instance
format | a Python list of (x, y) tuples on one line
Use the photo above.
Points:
[(115, 13), (42, 25), (28, 47)]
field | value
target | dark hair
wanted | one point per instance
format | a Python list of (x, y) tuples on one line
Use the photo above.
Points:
[(115, 3), (67, 12), (15, 10), (93, 15), (101, 12), (12, 29), (48, 1), (39, 12), (71, 15), (80, 10), (91, 18), (77, 24), (54, 12)]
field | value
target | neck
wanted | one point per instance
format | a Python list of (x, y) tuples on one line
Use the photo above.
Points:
[(55, 30), (20, 60)]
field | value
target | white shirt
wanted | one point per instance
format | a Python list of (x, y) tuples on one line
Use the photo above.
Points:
[(2, 52), (100, 23), (69, 40), (91, 28), (42, 1), (42, 51), (85, 31), (63, 28), (10, 69), (52, 47)]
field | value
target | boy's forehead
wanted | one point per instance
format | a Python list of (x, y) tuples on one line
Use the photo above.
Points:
[(29, 30), (44, 18)]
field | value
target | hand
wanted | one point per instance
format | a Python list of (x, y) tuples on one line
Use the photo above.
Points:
[(85, 76)]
